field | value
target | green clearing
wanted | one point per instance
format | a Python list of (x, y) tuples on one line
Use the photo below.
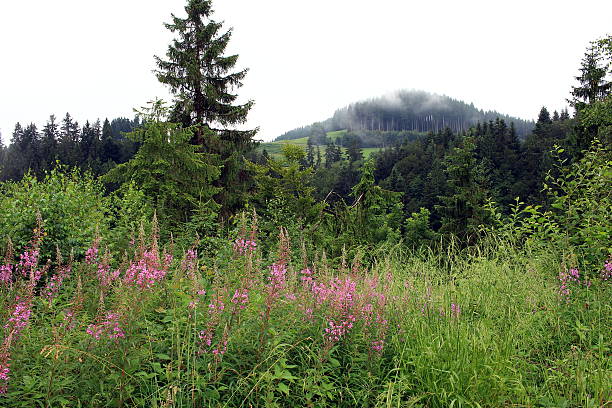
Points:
[(274, 149)]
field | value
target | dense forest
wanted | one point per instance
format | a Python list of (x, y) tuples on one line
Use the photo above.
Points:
[(94, 146), (169, 261), (409, 111)]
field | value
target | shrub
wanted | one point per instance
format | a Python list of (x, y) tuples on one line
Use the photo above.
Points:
[(71, 205)]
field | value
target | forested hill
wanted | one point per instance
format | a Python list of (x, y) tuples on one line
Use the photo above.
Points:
[(415, 111)]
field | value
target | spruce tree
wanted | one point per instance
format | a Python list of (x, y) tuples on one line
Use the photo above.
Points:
[(169, 170), (593, 84), (202, 80), (69, 141), (48, 144)]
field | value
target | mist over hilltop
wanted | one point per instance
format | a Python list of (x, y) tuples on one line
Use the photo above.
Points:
[(409, 110)]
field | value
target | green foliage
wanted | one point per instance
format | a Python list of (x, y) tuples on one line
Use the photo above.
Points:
[(130, 210), (417, 229), (283, 194), (376, 213), (170, 171), (514, 342), (581, 203), (463, 209), (71, 205)]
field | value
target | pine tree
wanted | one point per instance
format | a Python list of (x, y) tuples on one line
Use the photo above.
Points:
[(564, 115), (593, 84), (462, 209), (48, 144), (202, 80), (310, 152), (169, 169), (110, 150), (69, 141), (354, 151), (555, 117)]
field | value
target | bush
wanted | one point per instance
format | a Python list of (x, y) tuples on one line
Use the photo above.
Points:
[(71, 205)]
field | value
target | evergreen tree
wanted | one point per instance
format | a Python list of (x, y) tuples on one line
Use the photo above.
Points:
[(201, 79), (354, 151), (333, 154), (593, 84), (110, 150), (555, 117), (318, 160), (462, 210), (48, 145), (564, 115), (169, 169), (69, 152), (310, 152)]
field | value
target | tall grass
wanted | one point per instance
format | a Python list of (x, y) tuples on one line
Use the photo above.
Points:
[(486, 327)]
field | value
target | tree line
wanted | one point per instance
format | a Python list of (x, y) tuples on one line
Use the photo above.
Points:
[(96, 146)]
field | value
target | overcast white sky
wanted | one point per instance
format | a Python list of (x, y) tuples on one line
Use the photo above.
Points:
[(306, 58)]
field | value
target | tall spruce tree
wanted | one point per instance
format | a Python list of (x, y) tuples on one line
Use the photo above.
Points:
[(202, 80), (593, 84)]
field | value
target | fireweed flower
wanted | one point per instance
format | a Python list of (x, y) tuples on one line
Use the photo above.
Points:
[(5, 370), (20, 317), (565, 280), (606, 272), (55, 283), (147, 271), (27, 265), (241, 298), (455, 310), (91, 255), (6, 274), (109, 327), (244, 246)]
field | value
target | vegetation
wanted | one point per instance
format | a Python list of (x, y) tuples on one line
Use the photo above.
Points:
[(406, 112), (178, 265)]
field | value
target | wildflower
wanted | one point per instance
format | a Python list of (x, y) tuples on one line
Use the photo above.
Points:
[(91, 255), (241, 298), (19, 318), (147, 271), (4, 374), (109, 327), (455, 310), (244, 246), (377, 345), (606, 272), (53, 286), (565, 279), (6, 273)]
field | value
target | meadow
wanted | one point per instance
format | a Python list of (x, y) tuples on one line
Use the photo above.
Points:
[(159, 326)]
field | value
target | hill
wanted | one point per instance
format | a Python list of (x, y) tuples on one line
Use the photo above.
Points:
[(407, 111)]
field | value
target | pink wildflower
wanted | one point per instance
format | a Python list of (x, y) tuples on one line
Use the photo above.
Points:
[(241, 298), (55, 283), (146, 272), (244, 246), (91, 255), (455, 310), (109, 327), (6, 273), (19, 318), (606, 272)]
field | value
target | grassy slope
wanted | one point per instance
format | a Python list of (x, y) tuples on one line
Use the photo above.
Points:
[(274, 148)]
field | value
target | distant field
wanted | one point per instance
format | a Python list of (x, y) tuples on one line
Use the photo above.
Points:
[(274, 149)]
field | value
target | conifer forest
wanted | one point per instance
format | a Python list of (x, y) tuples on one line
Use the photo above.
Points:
[(411, 250)]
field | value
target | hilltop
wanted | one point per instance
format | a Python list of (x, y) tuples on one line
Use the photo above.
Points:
[(408, 112)]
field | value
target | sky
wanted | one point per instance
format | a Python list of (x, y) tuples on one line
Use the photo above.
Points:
[(306, 58)]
